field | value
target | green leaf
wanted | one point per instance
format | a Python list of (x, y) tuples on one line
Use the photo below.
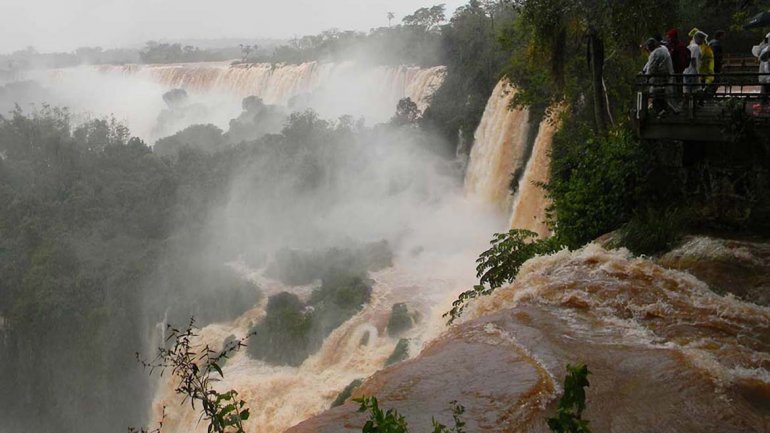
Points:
[(216, 367), (245, 415)]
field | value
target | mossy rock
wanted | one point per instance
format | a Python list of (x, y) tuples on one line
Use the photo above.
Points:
[(400, 320), (293, 330), (283, 337), (225, 346), (343, 396), (400, 353)]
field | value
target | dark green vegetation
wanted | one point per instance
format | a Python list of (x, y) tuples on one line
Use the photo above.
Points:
[(568, 419), (569, 411), (475, 59), (89, 222), (195, 371), (500, 264), (391, 421), (292, 330), (83, 211)]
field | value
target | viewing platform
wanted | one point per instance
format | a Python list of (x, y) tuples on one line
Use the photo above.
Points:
[(712, 113)]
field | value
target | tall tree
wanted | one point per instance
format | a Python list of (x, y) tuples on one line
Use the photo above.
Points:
[(426, 18), (597, 24)]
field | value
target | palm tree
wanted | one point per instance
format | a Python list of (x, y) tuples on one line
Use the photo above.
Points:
[(391, 15)]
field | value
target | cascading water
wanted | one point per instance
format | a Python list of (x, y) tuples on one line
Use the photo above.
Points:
[(282, 396), (333, 89), (392, 189), (500, 145), (530, 202), (132, 93), (501, 148)]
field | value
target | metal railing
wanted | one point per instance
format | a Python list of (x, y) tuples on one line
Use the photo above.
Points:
[(721, 85), (702, 106), (705, 96)]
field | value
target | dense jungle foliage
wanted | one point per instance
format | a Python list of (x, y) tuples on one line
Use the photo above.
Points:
[(87, 214), (581, 57)]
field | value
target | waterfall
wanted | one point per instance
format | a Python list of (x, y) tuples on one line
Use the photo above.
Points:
[(500, 149), (530, 202), (133, 93), (333, 89), (500, 145)]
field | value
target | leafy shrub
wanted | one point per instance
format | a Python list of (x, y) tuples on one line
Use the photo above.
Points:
[(652, 231), (196, 373), (284, 334), (391, 421), (229, 342), (339, 298), (380, 421), (569, 413), (594, 184), (500, 264)]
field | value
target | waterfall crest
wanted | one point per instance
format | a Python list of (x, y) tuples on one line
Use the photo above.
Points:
[(327, 87)]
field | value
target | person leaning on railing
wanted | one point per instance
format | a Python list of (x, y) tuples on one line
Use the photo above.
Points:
[(762, 51), (680, 57), (764, 68), (691, 72), (660, 70), (717, 49), (706, 68)]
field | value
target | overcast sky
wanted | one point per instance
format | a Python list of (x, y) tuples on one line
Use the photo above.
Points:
[(62, 25)]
